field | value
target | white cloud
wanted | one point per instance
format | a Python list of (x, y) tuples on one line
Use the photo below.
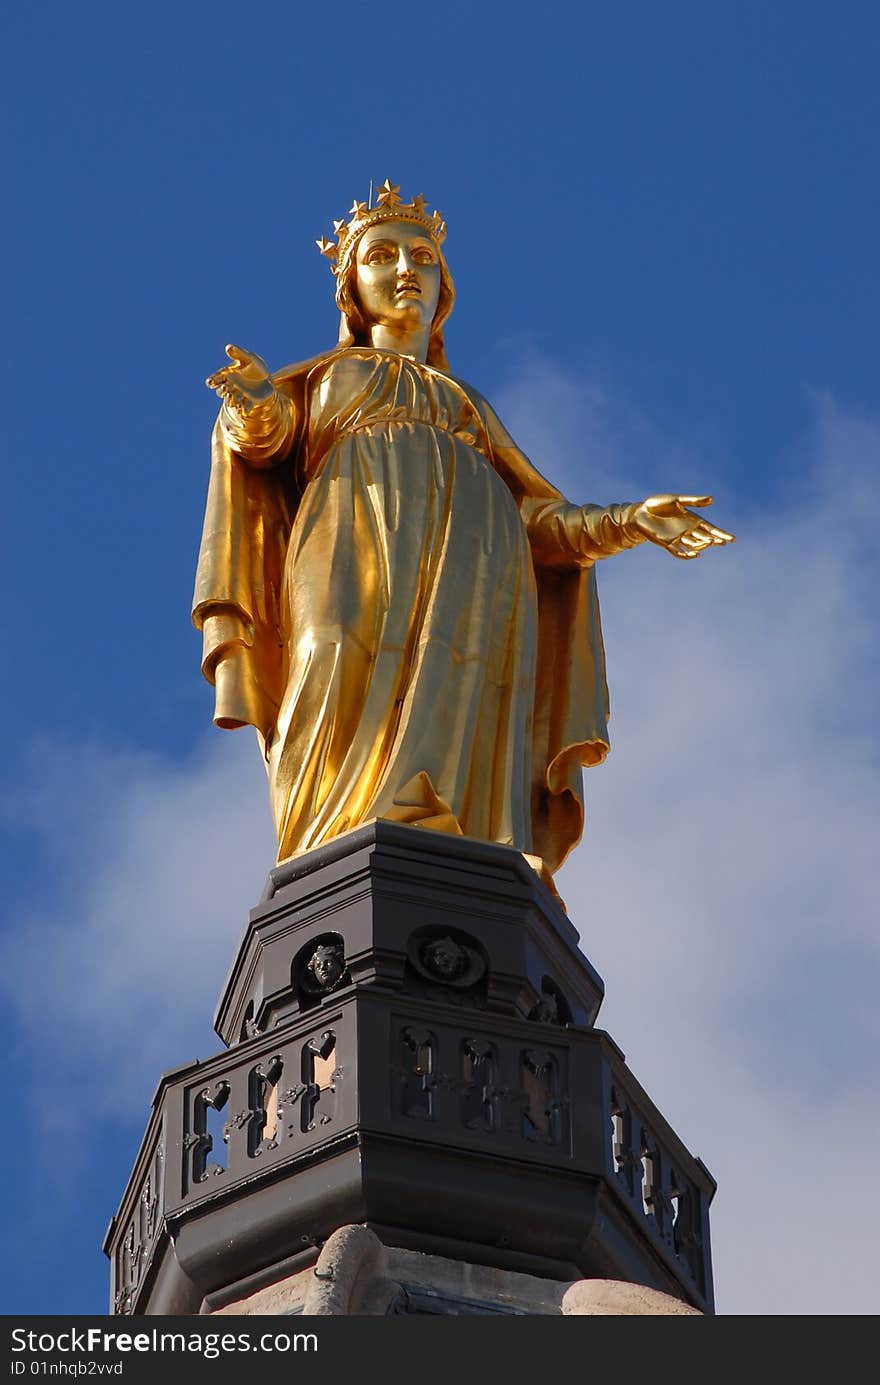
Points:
[(586, 437), (723, 889), (151, 868)]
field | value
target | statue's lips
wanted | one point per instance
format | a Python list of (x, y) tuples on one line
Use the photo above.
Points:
[(406, 289)]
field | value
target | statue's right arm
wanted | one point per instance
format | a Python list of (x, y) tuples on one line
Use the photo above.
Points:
[(243, 548), (263, 435), (258, 421)]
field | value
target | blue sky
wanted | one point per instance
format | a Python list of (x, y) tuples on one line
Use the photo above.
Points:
[(663, 230)]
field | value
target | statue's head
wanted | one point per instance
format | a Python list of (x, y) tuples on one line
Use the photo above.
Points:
[(389, 265)]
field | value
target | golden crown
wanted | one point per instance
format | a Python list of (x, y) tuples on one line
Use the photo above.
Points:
[(388, 207)]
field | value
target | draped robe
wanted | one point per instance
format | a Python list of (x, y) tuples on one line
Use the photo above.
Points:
[(404, 609)]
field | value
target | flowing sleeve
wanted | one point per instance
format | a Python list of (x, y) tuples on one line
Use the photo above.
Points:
[(267, 434), (566, 535), (252, 495)]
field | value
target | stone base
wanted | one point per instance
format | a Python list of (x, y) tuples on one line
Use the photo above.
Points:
[(355, 1275)]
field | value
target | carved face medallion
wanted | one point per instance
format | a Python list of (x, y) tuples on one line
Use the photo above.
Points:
[(444, 958), (326, 965), (547, 1009)]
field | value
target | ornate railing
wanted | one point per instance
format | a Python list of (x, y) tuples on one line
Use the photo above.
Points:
[(666, 1188), (144, 1220), (219, 1123), (480, 1083)]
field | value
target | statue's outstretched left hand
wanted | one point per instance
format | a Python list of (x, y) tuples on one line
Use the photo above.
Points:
[(665, 519)]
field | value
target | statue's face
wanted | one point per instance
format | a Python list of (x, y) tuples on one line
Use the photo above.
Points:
[(398, 275)]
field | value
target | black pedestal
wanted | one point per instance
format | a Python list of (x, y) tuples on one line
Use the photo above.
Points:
[(412, 1048)]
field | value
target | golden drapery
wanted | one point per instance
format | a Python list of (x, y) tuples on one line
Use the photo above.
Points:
[(405, 610)]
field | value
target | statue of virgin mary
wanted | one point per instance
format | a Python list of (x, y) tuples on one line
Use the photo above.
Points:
[(389, 591)]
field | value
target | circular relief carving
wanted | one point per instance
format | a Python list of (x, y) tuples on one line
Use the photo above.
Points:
[(443, 958), (546, 1011), (551, 1006), (323, 969)]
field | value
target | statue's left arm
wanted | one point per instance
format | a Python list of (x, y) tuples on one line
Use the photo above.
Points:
[(565, 535), (562, 534)]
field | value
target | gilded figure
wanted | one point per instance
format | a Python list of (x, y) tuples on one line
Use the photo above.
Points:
[(389, 591)]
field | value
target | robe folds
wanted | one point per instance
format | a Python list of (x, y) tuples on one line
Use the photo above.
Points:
[(405, 610)]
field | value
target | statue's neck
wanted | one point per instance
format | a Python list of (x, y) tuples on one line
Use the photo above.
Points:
[(404, 342)]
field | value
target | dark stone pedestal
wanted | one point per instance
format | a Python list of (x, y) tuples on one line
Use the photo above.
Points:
[(411, 1048)]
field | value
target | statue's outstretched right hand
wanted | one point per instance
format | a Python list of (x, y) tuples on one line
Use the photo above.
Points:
[(244, 383)]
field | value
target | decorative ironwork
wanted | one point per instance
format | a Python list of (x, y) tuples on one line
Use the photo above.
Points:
[(542, 1108), (319, 1079), (418, 1076), (263, 1115), (480, 1096), (139, 1238), (203, 1141), (673, 1208)]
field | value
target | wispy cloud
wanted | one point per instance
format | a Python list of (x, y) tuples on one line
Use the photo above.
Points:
[(150, 869)]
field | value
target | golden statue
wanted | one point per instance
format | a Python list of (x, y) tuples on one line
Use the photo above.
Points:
[(388, 590)]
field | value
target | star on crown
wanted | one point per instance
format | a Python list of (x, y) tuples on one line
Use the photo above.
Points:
[(388, 207)]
